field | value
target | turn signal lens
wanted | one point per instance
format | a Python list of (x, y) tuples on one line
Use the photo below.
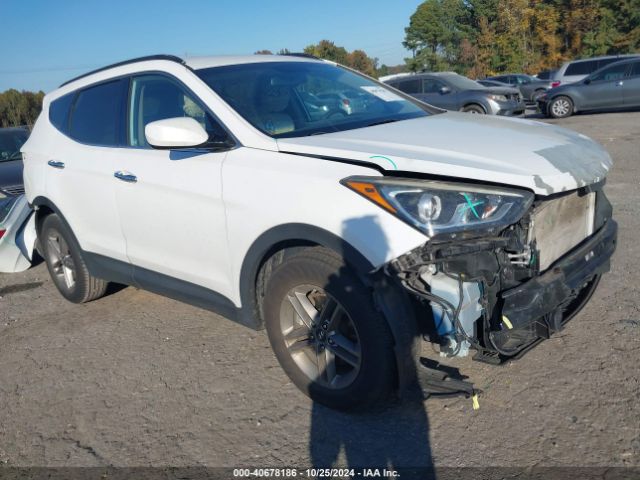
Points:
[(368, 190)]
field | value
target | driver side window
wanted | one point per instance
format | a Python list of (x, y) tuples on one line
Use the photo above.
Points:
[(157, 97), (432, 86)]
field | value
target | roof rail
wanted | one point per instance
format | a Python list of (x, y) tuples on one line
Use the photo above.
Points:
[(301, 54), (171, 58)]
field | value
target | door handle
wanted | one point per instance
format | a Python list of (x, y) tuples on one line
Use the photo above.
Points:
[(56, 164), (125, 176), (620, 83)]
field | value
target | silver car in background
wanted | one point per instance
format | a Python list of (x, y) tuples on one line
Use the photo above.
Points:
[(615, 87), (451, 91)]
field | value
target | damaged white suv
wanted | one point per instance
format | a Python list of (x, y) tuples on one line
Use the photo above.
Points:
[(238, 184)]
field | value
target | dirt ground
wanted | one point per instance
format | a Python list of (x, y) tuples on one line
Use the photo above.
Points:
[(135, 379)]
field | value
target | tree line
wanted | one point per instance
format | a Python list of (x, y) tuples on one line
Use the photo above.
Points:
[(19, 108), (485, 37), (473, 37)]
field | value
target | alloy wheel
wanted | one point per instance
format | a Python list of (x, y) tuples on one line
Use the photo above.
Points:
[(320, 337), (560, 107), (60, 259)]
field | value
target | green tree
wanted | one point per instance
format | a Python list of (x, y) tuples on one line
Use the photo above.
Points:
[(19, 108), (329, 51)]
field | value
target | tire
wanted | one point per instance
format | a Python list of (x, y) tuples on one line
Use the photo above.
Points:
[(474, 108), (560, 107), (65, 263), (364, 379)]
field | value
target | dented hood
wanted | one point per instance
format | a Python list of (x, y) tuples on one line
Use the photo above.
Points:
[(534, 155)]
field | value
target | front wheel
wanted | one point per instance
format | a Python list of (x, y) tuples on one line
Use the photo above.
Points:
[(473, 108), (328, 337), (561, 107)]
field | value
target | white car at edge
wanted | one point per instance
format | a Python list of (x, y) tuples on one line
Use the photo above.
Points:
[(349, 238)]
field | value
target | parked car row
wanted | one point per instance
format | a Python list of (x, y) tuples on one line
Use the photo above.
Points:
[(451, 91)]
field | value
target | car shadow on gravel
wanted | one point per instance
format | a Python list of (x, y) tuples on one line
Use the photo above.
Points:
[(394, 437)]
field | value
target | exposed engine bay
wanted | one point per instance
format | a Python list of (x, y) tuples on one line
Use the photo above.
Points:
[(500, 295)]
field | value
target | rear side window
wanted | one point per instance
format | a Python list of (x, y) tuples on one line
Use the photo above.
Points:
[(582, 68), (635, 69), (97, 114), (59, 112), (410, 86)]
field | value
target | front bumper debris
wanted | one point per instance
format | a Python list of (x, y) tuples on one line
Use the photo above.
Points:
[(545, 293), (522, 300)]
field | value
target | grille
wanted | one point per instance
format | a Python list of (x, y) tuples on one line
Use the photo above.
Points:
[(561, 224), (13, 189)]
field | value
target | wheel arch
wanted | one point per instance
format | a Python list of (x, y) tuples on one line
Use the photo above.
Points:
[(475, 103), (269, 249), (45, 207), (388, 295)]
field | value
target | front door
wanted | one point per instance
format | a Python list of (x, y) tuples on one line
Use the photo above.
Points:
[(170, 201)]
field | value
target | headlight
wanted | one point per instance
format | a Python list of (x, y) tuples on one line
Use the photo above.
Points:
[(442, 209), (498, 98)]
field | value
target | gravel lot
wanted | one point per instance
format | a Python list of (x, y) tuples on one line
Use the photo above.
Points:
[(135, 379)]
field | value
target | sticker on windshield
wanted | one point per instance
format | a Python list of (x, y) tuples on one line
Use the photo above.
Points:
[(382, 93)]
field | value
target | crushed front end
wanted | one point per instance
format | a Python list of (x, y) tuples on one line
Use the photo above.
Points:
[(503, 291)]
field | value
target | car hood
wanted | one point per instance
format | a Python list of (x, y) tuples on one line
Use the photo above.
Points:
[(543, 158), (10, 173)]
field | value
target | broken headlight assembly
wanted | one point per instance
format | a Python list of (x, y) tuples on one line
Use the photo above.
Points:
[(443, 209)]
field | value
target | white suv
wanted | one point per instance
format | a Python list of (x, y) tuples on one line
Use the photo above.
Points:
[(348, 237)]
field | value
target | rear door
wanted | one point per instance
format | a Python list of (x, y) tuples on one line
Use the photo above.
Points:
[(79, 171), (170, 201), (604, 89), (631, 87)]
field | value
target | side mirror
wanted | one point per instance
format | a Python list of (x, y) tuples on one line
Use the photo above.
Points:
[(587, 81), (179, 132), (444, 90)]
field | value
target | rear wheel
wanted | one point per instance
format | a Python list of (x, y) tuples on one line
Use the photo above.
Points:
[(561, 107), (473, 108), (65, 264), (326, 333)]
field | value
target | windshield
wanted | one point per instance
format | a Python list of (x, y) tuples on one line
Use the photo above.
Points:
[(294, 99), (462, 83), (10, 143)]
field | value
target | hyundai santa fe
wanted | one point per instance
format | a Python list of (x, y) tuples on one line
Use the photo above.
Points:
[(353, 239)]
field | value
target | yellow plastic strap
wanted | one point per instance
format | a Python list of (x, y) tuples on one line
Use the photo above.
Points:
[(476, 404), (506, 322)]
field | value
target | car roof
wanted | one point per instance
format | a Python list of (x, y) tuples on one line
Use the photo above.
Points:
[(197, 63), (602, 57)]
